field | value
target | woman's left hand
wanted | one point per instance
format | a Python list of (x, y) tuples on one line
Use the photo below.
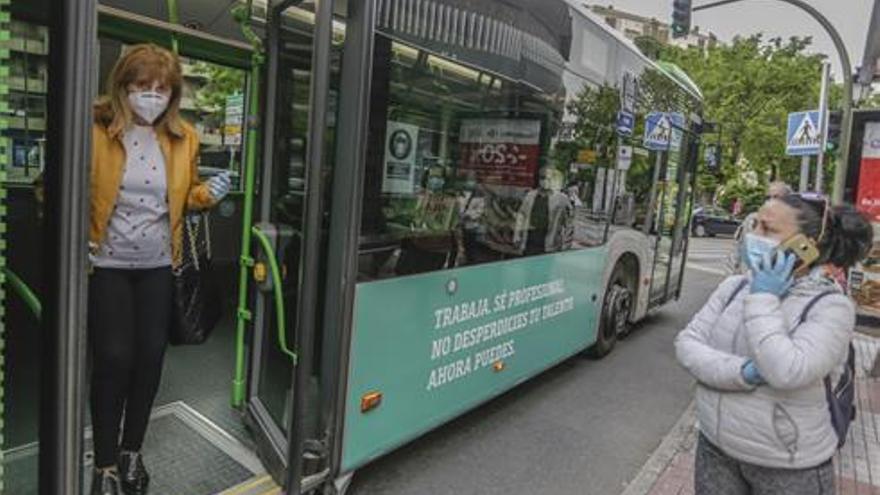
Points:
[(774, 276), (219, 185), (751, 375)]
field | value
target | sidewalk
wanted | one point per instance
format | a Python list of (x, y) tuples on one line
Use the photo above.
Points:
[(669, 471)]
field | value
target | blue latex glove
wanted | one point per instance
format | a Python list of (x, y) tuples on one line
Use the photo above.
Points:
[(774, 277), (751, 374), (219, 185)]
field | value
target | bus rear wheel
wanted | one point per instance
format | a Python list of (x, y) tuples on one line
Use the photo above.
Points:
[(614, 321)]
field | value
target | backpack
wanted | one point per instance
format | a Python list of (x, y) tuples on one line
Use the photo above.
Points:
[(840, 397)]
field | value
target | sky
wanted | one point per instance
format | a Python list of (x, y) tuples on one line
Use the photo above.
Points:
[(774, 18)]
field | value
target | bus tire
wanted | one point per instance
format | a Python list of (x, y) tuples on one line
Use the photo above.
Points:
[(616, 308)]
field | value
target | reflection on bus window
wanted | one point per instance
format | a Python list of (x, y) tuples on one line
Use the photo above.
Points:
[(28, 81), (465, 167)]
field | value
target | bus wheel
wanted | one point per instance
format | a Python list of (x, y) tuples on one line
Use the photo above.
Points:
[(614, 319)]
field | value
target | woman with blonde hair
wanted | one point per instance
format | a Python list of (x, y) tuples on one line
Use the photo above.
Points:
[(144, 177)]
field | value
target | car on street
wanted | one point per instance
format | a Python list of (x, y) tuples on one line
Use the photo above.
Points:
[(711, 221)]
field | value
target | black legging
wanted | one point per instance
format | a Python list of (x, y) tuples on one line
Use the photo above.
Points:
[(129, 311)]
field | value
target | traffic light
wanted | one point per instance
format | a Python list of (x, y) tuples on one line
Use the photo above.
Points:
[(832, 141), (681, 18)]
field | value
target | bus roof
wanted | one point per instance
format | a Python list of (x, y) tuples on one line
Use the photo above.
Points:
[(671, 70)]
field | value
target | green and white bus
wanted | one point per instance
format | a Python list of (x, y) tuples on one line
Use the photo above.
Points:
[(435, 201)]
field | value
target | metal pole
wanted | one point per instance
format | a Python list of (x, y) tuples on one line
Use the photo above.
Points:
[(841, 169), (805, 173), (823, 125), (74, 31)]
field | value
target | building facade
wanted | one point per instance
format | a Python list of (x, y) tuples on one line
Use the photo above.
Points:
[(635, 26)]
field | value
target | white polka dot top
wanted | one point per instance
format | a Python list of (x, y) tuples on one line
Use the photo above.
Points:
[(139, 233)]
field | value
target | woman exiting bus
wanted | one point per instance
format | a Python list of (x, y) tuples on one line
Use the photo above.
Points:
[(761, 348), (144, 177)]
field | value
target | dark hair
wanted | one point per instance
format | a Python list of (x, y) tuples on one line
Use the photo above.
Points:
[(848, 235)]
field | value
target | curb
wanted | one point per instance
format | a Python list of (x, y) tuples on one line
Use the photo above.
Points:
[(663, 454)]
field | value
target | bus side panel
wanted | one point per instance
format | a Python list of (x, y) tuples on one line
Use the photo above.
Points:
[(437, 344)]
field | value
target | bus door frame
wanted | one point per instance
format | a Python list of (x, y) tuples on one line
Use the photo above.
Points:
[(345, 224), (75, 27), (654, 221), (680, 233), (285, 452), (691, 165), (62, 394)]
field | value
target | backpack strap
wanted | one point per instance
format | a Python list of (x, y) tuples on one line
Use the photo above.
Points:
[(813, 302), (742, 285)]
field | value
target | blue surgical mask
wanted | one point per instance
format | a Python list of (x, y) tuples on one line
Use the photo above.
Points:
[(754, 247)]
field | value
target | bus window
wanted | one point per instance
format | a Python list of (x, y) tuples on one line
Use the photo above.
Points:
[(459, 170)]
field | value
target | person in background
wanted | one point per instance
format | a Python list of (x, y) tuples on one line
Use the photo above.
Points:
[(144, 177), (573, 191), (471, 225), (761, 348), (543, 223), (734, 263)]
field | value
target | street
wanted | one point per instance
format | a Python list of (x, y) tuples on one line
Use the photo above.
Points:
[(584, 427)]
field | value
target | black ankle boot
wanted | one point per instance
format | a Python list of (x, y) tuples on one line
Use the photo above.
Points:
[(132, 474), (105, 482)]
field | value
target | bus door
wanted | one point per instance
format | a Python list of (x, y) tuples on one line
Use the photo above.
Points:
[(686, 180), (282, 262), (659, 225), (43, 242), (673, 197)]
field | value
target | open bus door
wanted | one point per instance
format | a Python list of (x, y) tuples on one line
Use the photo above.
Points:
[(672, 194), (281, 247), (44, 316), (42, 331)]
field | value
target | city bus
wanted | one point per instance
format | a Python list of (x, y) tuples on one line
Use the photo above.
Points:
[(434, 201)]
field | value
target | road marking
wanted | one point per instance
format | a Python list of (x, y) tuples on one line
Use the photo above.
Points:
[(714, 271)]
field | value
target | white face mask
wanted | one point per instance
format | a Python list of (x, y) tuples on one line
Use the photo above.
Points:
[(148, 105)]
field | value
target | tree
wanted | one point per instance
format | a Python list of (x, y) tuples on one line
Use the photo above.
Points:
[(220, 83), (750, 86)]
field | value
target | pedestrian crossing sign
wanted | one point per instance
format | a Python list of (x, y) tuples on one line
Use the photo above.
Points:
[(663, 131), (803, 137)]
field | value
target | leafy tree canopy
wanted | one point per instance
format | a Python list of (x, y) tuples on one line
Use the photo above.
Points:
[(750, 86)]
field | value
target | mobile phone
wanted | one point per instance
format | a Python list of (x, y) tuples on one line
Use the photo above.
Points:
[(803, 248)]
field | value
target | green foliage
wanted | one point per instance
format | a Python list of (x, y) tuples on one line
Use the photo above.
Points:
[(750, 86), (220, 82)]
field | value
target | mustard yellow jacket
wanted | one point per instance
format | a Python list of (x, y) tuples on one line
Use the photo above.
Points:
[(185, 190)]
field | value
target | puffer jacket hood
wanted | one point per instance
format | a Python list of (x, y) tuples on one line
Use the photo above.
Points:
[(785, 423)]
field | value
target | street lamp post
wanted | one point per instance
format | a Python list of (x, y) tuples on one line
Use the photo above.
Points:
[(841, 169)]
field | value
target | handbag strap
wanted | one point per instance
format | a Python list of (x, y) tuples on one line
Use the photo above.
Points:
[(191, 237), (206, 220)]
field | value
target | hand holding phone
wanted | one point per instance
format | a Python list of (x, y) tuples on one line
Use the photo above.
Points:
[(805, 249), (775, 274)]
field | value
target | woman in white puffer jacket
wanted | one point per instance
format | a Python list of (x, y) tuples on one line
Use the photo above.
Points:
[(764, 421)]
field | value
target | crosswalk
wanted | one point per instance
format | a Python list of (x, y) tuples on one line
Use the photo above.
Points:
[(709, 255)]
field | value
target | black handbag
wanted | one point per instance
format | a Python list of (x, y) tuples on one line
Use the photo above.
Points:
[(196, 307)]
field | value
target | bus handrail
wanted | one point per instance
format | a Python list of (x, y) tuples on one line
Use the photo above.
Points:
[(21, 288), (276, 289)]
